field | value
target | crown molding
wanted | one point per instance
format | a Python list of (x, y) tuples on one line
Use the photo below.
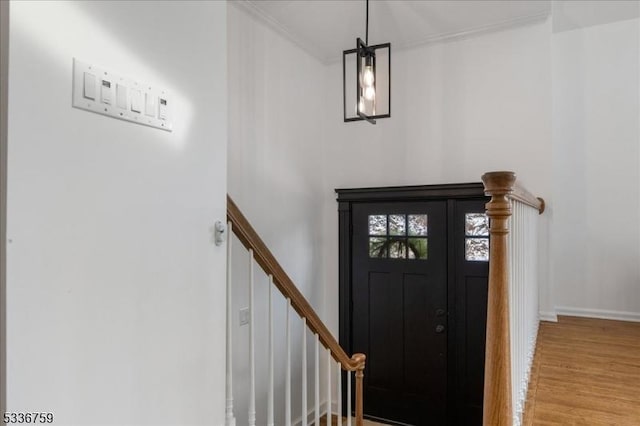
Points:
[(463, 35), (250, 7), (479, 30)]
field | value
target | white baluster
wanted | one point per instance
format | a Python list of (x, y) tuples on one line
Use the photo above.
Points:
[(512, 290), (252, 363), (521, 304), (512, 296), (515, 359), (304, 371), (339, 393), (520, 301), (229, 418), (328, 387), (516, 306), (348, 398), (523, 281), (317, 382), (270, 390), (287, 388)]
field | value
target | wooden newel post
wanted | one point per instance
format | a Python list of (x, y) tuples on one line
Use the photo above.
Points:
[(360, 360), (497, 374)]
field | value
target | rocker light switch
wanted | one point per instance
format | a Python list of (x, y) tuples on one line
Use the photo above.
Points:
[(89, 86), (121, 96), (136, 101), (150, 105)]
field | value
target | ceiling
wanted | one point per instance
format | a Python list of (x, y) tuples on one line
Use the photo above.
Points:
[(569, 15), (325, 28)]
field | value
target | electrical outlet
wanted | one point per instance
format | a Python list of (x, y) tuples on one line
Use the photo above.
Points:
[(244, 316)]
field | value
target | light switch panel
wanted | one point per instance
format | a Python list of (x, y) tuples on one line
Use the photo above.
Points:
[(101, 91)]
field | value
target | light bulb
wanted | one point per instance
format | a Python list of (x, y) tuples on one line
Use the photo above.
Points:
[(368, 77), (370, 93)]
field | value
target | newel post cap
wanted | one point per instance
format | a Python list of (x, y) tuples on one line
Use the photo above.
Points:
[(498, 183), (359, 360)]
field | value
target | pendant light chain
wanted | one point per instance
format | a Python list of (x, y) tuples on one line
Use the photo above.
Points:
[(366, 38)]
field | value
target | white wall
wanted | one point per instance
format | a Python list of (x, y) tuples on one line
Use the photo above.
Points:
[(459, 109), (596, 170), (275, 176), (115, 291)]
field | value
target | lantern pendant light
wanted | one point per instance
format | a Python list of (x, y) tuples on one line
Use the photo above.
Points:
[(371, 66)]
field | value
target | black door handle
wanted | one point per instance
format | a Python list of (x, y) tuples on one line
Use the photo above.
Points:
[(439, 328)]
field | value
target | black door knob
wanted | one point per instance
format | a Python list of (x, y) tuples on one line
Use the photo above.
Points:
[(439, 328)]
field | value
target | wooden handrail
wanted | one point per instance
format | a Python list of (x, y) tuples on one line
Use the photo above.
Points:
[(267, 261), (519, 193)]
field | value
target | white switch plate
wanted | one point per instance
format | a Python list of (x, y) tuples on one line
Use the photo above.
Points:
[(245, 316), (115, 110)]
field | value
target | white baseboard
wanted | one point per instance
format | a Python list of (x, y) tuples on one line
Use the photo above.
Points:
[(598, 313), (549, 316)]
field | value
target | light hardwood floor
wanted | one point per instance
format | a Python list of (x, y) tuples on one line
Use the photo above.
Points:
[(585, 372)]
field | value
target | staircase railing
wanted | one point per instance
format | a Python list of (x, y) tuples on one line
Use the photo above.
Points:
[(259, 253), (512, 311)]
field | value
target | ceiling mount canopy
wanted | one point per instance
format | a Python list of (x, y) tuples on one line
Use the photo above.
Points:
[(369, 67)]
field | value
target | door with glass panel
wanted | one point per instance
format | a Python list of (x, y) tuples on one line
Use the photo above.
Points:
[(399, 308), (468, 277)]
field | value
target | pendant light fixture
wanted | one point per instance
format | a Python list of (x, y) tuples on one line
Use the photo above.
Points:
[(369, 67)]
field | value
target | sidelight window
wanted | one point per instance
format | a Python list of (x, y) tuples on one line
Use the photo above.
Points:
[(398, 236), (476, 230)]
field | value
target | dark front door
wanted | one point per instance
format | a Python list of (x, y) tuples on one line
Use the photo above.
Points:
[(399, 308)]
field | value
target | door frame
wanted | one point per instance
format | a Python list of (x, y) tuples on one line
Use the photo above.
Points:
[(346, 198)]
